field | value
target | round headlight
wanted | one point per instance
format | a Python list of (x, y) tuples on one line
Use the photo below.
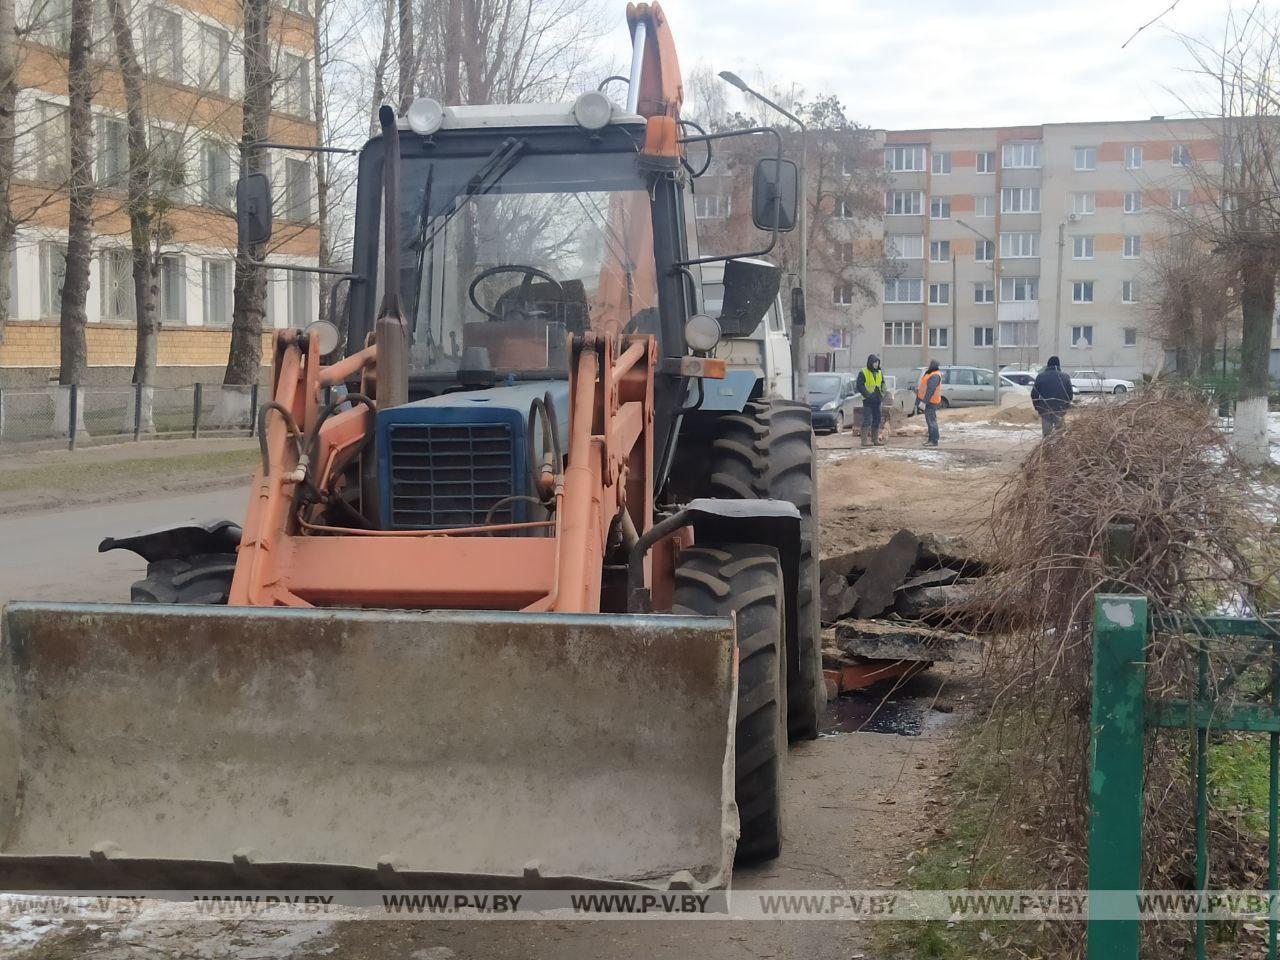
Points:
[(325, 334), (592, 110), (425, 116), (702, 333)]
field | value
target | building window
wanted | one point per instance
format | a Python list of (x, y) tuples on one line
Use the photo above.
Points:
[(116, 275), (1230, 202), (1086, 158), (297, 190), (1129, 291), (53, 271), (164, 43), (1130, 336), (939, 294), (216, 279), (984, 206), (939, 337), (940, 251), (941, 162), (984, 251), (167, 167), (215, 174), (984, 291), (848, 166), (1082, 204), (295, 86), (1133, 157), (710, 206), (112, 162), (215, 55), (1020, 200), (52, 134), (1014, 333), (904, 290), (1132, 246), (1133, 201), (1082, 336), (984, 336), (903, 333), (1020, 244), (1082, 291), (902, 203), (844, 251), (301, 309), (940, 208), (1181, 158), (1082, 248), (51, 23), (842, 294), (1179, 199), (1019, 289), (904, 246), (1021, 156), (173, 289), (904, 158)]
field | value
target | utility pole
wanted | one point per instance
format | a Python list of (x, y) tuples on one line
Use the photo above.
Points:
[(799, 354), (1057, 292), (955, 330)]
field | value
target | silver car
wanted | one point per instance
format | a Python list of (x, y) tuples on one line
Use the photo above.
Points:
[(971, 386)]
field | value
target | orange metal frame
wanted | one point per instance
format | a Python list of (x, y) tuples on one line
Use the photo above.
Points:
[(284, 560)]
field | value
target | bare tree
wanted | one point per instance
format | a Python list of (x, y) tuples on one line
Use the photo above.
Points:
[(74, 353), (1189, 301), (8, 138), (249, 297)]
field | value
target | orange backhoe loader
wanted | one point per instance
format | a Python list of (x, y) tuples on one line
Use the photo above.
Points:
[(524, 592)]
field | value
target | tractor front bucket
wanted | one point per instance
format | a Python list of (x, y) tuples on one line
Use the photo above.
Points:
[(167, 747)]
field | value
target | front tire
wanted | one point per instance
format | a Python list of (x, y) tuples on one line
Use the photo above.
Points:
[(840, 422), (201, 579), (766, 452), (1120, 388), (745, 580), (946, 404)]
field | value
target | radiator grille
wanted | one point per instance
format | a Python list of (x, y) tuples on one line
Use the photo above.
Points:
[(450, 475)]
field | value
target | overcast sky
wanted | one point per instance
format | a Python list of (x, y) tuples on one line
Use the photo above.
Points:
[(930, 63)]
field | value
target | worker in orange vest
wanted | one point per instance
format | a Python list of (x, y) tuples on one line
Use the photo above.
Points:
[(929, 396)]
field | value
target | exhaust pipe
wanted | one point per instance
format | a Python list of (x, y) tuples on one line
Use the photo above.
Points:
[(390, 330)]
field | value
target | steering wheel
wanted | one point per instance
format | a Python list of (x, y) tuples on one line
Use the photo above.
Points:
[(525, 287)]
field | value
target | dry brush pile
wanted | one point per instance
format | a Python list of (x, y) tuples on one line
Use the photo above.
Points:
[(1203, 524)]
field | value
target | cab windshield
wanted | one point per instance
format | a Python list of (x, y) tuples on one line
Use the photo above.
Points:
[(505, 255)]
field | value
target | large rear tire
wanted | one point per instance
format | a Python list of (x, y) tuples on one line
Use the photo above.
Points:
[(204, 578), (745, 580), (766, 452)]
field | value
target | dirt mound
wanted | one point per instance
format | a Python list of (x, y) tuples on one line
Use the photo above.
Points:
[(1020, 415)]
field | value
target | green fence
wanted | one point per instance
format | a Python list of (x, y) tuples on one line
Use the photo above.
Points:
[(1123, 714)]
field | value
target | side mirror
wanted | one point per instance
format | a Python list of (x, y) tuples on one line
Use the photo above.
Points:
[(253, 210), (797, 308), (774, 194), (750, 287)]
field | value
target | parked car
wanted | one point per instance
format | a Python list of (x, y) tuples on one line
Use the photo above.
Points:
[(971, 386), (1092, 381), (1023, 378), (833, 399)]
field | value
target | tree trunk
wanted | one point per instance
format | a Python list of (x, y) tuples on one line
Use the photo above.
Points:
[(8, 106), (146, 266), (249, 297), (1257, 308), (322, 163), (75, 285), (1213, 313), (380, 67), (406, 56), (453, 53)]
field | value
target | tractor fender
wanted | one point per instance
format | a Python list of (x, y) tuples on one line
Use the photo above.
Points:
[(179, 542), (775, 523)]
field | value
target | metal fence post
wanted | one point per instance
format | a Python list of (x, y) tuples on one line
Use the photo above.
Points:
[(137, 411), (253, 409), (71, 416), (198, 393), (2, 412), (1118, 727)]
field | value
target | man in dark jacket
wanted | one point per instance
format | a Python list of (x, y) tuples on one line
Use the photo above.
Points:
[(1051, 395), (870, 387)]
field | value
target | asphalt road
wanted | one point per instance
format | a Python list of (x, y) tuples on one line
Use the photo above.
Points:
[(53, 555)]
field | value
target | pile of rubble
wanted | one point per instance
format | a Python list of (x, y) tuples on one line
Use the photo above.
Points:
[(893, 609)]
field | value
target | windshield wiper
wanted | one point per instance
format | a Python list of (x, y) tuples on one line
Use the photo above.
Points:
[(491, 170)]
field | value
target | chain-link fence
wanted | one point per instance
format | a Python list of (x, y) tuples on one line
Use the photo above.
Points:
[(105, 414)]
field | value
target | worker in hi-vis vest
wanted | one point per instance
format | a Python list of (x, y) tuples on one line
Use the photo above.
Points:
[(870, 387), (929, 396)]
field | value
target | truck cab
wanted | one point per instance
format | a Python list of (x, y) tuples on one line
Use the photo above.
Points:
[(765, 352)]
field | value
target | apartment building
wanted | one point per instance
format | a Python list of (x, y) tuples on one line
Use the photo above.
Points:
[(1011, 244), (191, 56)]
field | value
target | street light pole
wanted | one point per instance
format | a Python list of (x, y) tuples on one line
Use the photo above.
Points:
[(1057, 292), (799, 354), (995, 293)]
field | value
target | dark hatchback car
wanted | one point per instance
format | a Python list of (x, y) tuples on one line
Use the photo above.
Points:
[(833, 400)]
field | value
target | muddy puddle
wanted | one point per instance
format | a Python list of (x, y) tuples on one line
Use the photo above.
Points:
[(906, 711)]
